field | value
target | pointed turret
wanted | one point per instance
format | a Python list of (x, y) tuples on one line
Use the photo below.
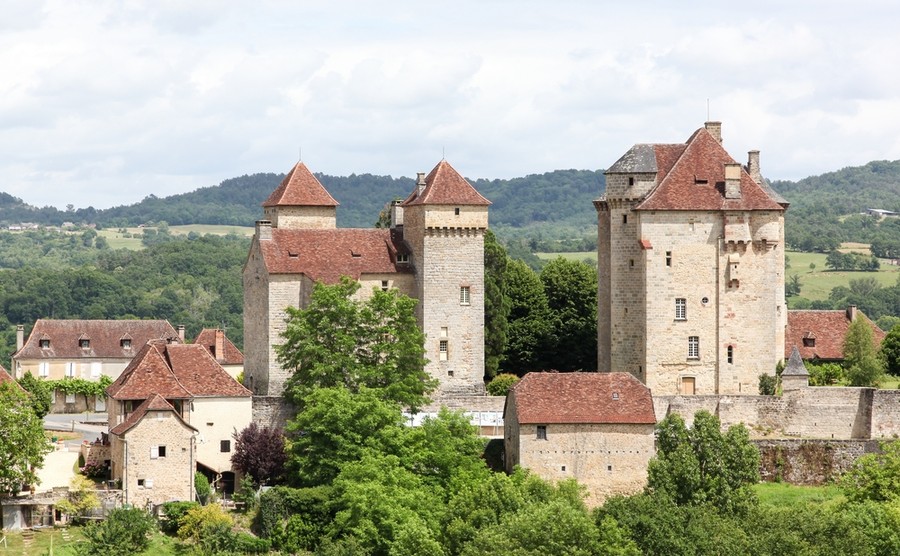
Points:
[(794, 376), (300, 201)]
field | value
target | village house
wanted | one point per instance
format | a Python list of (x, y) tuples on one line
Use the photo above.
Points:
[(596, 428), (86, 349), (433, 252), (222, 349), (201, 407), (819, 335), (691, 268)]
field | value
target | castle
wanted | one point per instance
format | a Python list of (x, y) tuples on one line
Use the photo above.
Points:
[(691, 268), (433, 252)]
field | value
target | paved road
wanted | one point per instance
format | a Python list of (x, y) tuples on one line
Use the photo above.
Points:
[(89, 425)]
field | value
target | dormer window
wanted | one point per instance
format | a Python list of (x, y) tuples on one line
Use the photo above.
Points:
[(84, 343), (125, 343), (809, 342), (402, 258), (44, 343)]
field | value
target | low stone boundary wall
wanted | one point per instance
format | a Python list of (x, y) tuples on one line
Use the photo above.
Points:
[(810, 462)]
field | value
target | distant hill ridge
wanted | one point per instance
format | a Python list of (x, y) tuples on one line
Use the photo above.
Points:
[(552, 204)]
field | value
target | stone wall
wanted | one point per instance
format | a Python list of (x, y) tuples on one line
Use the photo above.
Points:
[(306, 217), (885, 414), (272, 411), (810, 462)]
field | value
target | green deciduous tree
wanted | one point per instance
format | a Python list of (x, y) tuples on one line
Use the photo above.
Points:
[(40, 393), (340, 341), (496, 304), (531, 332), (864, 367), (874, 476), (22, 442), (124, 532), (700, 465), (890, 351), (571, 289)]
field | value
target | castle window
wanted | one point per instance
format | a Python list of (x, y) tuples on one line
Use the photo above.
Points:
[(442, 349), (44, 343), (630, 181), (693, 347), (464, 295), (456, 211), (680, 308), (668, 258), (225, 446), (730, 354), (542, 432), (609, 468), (631, 262), (624, 219), (384, 285)]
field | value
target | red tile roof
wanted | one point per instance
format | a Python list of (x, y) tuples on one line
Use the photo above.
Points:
[(328, 254), (105, 338), (207, 339), (542, 398), (153, 403), (824, 330), (5, 377), (174, 371), (445, 186), (300, 188), (694, 178)]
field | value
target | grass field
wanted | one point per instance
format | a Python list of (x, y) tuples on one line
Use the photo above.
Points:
[(65, 540), (576, 256), (117, 239), (783, 494), (816, 281)]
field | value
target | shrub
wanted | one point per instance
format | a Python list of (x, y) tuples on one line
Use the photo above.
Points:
[(248, 544), (307, 508), (174, 511), (202, 520), (94, 470), (501, 384), (124, 533), (767, 384), (201, 487)]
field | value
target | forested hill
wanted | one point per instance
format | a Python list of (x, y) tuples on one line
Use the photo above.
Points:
[(559, 200), (847, 191)]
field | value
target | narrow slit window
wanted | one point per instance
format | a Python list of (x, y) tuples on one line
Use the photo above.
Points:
[(730, 354)]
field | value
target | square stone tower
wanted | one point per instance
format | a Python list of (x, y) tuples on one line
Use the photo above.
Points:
[(691, 268)]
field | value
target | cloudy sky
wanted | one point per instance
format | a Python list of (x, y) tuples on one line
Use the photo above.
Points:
[(105, 102)]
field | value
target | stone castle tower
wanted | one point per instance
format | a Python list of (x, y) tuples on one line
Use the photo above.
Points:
[(691, 268), (434, 252)]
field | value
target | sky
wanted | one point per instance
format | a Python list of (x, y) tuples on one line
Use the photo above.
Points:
[(103, 103)]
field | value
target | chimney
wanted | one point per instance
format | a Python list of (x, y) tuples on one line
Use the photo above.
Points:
[(180, 329), (420, 183), (264, 230), (20, 336), (732, 181), (715, 129), (753, 166), (219, 348), (396, 213), (851, 313)]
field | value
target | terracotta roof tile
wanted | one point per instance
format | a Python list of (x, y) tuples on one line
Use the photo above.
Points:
[(328, 254), (542, 398), (445, 186), (105, 338), (153, 403), (207, 339), (300, 188), (824, 331), (695, 179), (148, 373), (200, 374)]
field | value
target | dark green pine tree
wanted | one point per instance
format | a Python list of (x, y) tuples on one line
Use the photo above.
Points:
[(496, 305)]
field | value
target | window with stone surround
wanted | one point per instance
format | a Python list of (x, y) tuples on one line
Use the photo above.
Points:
[(157, 452), (542, 432), (384, 285), (730, 354), (464, 295), (680, 308), (443, 350), (693, 347)]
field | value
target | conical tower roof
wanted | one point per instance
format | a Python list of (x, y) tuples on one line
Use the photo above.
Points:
[(300, 188), (795, 366), (445, 186)]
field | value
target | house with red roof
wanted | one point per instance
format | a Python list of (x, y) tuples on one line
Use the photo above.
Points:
[(819, 335), (86, 349), (184, 384), (691, 268), (596, 428), (433, 252), (222, 349)]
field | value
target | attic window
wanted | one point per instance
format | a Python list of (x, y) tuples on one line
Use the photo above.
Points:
[(402, 258), (809, 342), (45, 343), (84, 343), (355, 255), (125, 343), (700, 181), (615, 395)]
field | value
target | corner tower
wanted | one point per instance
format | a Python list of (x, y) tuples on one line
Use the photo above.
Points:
[(300, 201), (444, 220), (690, 268)]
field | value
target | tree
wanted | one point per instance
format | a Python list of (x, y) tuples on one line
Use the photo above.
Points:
[(890, 351), (864, 368), (531, 334), (701, 465), (40, 394), (501, 384), (874, 476), (22, 443), (496, 304), (339, 341), (82, 498), (571, 289), (260, 453), (792, 287), (124, 532)]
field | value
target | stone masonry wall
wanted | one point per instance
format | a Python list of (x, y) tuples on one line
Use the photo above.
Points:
[(886, 414), (297, 217), (272, 411), (810, 462), (256, 321)]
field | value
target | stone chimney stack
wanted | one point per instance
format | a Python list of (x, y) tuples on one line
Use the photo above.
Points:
[(420, 183), (220, 345), (851, 313), (753, 166), (715, 129), (732, 181), (396, 213), (180, 329), (20, 336), (264, 230)]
